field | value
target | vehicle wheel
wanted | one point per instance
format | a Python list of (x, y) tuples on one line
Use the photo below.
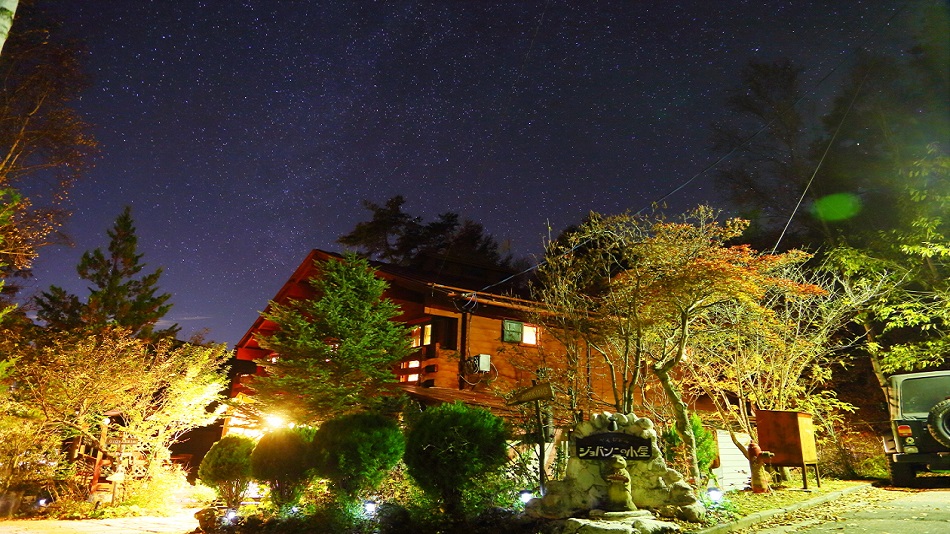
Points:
[(902, 475), (938, 422)]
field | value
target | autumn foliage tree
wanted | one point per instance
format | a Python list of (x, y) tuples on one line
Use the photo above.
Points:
[(777, 353), (157, 391), (43, 139), (651, 279)]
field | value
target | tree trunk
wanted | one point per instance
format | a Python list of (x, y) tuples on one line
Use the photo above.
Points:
[(683, 426)]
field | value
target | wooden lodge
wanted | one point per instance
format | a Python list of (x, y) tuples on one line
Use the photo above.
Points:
[(471, 345)]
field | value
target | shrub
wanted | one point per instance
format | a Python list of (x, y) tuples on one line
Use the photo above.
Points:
[(355, 452), (281, 461), (450, 447), (227, 468), (706, 450)]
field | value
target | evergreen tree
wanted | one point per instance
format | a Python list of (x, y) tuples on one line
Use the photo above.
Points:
[(399, 238), (120, 294), (335, 351)]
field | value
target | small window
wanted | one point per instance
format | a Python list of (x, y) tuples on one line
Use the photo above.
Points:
[(411, 364), (518, 332), (529, 335), (421, 335)]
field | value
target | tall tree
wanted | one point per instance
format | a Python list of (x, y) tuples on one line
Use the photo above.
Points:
[(120, 294), (43, 140), (878, 201), (397, 237), (333, 353), (650, 281), (767, 138), (777, 354)]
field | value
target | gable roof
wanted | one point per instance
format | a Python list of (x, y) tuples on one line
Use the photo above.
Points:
[(444, 285)]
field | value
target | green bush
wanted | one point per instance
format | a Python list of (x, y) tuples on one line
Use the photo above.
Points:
[(355, 452), (675, 454), (281, 460), (450, 447), (227, 468)]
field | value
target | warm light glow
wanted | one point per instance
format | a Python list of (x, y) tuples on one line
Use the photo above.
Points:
[(421, 335), (274, 421), (529, 335)]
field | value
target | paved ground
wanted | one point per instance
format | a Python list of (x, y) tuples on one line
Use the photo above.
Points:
[(877, 510), (178, 524)]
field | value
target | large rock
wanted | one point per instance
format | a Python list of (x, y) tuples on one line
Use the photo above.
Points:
[(635, 522), (653, 485)]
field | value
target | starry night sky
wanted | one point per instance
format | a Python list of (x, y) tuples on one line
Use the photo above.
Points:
[(246, 133)]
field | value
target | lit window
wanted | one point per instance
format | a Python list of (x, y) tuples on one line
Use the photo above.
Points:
[(421, 335), (411, 364), (427, 334), (518, 332), (529, 335)]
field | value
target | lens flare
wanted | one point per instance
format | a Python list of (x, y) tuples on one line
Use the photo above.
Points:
[(836, 207)]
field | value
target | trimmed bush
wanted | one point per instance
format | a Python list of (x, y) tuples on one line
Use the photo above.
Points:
[(227, 468), (450, 447), (281, 460), (356, 452)]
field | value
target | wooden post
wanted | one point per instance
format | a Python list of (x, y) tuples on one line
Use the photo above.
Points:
[(537, 392), (98, 467), (541, 443)]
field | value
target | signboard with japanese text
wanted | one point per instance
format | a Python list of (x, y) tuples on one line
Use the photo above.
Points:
[(606, 445)]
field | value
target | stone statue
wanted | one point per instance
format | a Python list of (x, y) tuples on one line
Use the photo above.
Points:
[(618, 486)]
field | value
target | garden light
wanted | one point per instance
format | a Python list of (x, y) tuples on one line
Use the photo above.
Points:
[(369, 508), (525, 495), (715, 494), (274, 421)]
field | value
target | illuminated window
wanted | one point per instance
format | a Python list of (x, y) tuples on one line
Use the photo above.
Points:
[(421, 335), (518, 332), (412, 364), (529, 335)]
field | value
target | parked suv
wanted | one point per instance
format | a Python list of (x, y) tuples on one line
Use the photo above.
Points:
[(920, 425)]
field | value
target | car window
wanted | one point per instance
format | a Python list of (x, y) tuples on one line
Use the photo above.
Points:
[(919, 395)]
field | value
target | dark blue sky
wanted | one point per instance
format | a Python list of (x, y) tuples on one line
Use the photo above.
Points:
[(245, 133)]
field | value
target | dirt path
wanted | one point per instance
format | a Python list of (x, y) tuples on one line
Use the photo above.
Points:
[(180, 523)]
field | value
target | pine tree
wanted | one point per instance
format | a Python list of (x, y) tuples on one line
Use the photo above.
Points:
[(334, 352), (120, 294)]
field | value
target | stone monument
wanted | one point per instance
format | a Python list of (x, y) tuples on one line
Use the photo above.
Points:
[(615, 469)]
